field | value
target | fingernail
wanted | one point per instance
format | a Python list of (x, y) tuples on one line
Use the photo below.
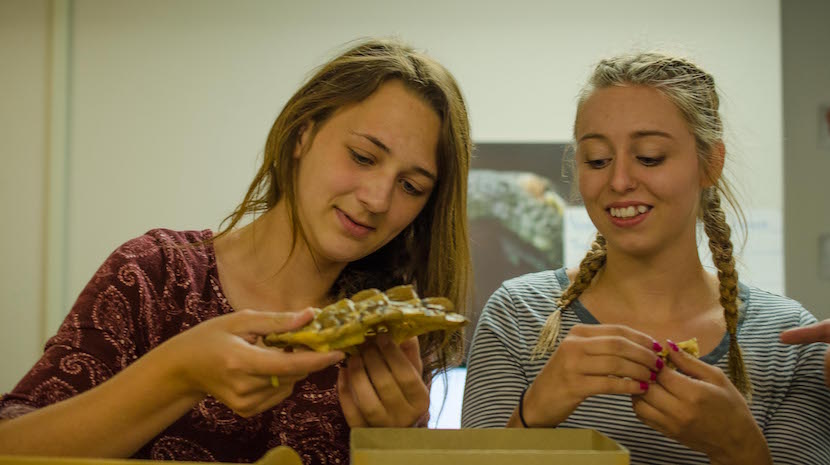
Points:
[(673, 345), (659, 363), (643, 386), (657, 347), (653, 376)]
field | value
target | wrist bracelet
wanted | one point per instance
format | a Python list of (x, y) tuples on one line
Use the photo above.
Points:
[(521, 407)]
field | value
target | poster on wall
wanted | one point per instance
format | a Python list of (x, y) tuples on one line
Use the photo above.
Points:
[(517, 201)]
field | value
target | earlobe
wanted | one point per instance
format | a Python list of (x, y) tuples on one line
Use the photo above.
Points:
[(713, 171)]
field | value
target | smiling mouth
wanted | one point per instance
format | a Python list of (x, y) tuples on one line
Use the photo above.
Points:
[(353, 227), (628, 212), (358, 223)]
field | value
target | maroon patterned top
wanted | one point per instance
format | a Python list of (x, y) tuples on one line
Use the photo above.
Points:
[(147, 291)]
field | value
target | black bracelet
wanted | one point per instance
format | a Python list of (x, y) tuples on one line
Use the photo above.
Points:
[(521, 408)]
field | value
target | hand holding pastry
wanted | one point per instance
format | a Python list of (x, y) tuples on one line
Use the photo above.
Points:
[(223, 357), (698, 406), (382, 384), (591, 360)]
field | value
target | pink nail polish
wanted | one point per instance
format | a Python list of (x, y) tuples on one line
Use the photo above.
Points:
[(656, 346), (659, 363), (673, 345), (643, 386), (653, 376)]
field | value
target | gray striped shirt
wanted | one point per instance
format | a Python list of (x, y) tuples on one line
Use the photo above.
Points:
[(790, 402)]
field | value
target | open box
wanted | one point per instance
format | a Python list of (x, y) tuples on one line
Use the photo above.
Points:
[(421, 446), (538, 446)]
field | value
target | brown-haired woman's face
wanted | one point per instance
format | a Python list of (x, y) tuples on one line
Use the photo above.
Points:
[(367, 173), (638, 168)]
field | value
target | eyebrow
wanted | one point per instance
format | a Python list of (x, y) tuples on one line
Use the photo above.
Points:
[(635, 135), (374, 140), (426, 173), (638, 134)]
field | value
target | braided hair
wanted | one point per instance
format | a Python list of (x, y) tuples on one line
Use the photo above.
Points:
[(693, 92)]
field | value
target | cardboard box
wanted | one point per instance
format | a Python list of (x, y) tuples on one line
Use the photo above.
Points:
[(538, 446), (278, 456)]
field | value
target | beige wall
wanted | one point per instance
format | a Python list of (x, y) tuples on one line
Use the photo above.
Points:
[(170, 102), (806, 84), (24, 35)]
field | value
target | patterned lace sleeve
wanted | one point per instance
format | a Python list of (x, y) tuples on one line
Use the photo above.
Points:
[(100, 335)]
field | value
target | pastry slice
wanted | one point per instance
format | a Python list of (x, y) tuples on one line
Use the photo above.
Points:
[(347, 323), (689, 346)]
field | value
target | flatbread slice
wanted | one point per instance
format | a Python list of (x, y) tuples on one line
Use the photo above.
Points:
[(347, 323)]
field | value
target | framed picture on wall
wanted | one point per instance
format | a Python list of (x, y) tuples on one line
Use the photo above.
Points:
[(516, 207)]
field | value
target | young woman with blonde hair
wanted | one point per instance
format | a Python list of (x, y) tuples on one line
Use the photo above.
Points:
[(579, 348), (363, 184)]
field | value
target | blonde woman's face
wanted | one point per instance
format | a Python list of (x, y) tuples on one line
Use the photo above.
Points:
[(367, 173), (638, 169)]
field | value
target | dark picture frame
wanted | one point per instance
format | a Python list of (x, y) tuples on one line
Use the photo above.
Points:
[(516, 201)]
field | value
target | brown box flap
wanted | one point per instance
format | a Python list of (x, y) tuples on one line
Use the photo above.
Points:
[(419, 446)]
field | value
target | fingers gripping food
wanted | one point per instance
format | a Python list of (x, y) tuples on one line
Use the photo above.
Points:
[(347, 323), (690, 347)]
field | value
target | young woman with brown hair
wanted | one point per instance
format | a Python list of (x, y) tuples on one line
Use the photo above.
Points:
[(363, 184)]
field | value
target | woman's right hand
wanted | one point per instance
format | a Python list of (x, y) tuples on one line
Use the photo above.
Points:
[(225, 358), (591, 360)]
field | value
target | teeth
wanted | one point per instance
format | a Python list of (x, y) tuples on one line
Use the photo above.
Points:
[(628, 212)]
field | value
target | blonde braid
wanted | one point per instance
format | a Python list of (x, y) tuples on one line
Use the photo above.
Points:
[(594, 260), (714, 223)]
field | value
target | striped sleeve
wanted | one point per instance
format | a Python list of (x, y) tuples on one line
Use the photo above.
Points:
[(495, 378), (798, 431)]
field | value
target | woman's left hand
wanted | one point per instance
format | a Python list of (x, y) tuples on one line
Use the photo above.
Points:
[(382, 385), (701, 409)]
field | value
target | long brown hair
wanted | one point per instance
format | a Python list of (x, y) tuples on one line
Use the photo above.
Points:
[(433, 251), (693, 92)]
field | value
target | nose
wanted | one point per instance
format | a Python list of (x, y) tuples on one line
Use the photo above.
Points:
[(375, 193), (622, 176)]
